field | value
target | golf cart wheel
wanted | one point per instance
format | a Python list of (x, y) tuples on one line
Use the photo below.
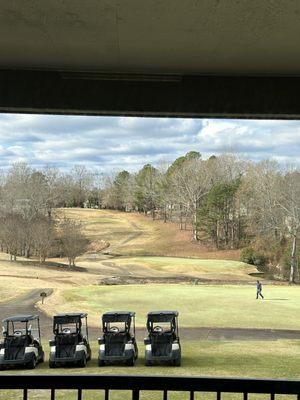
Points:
[(32, 363), (177, 362), (52, 364), (101, 363), (82, 362), (42, 359), (130, 362)]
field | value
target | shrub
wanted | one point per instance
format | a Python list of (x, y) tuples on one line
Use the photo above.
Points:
[(253, 257)]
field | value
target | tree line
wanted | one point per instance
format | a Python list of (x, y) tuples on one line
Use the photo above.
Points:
[(225, 201)]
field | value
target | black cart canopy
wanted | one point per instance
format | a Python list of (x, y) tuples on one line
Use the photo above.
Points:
[(20, 318), (68, 318), (118, 316), (162, 316)]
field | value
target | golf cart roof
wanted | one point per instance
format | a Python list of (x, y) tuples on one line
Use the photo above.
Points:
[(20, 318), (117, 316), (68, 317), (162, 316)]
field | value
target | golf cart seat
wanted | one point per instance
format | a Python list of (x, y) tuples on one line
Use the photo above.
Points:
[(115, 343), (161, 344), (66, 345), (15, 347)]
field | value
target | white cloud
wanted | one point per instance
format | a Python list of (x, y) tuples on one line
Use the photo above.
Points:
[(110, 143)]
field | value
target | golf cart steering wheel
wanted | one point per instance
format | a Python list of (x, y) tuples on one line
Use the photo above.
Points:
[(18, 333), (158, 329), (66, 330), (114, 329)]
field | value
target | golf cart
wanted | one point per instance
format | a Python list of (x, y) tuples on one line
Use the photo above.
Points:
[(22, 342), (70, 344), (118, 344), (162, 343)]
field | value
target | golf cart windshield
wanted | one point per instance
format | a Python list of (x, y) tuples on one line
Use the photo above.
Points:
[(21, 326), (162, 322), (117, 321), (69, 324)]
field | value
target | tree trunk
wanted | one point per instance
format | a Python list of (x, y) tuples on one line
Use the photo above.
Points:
[(195, 225), (293, 260), (181, 225), (232, 235), (70, 262), (217, 235), (27, 252), (49, 212), (153, 214)]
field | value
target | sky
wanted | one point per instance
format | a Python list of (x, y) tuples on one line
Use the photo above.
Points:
[(110, 144)]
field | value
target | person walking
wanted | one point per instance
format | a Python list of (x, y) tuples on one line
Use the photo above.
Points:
[(259, 290)]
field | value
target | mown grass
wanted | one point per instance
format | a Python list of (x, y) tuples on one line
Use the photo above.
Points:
[(198, 305), (256, 359)]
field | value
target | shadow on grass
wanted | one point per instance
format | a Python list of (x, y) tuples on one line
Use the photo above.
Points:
[(276, 299)]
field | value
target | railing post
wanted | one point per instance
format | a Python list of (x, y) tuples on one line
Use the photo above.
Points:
[(165, 397), (52, 394), (272, 397), (245, 397), (135, 394), (218, 395), (191, 395), (25, 394), (79, 396), (106, 395)]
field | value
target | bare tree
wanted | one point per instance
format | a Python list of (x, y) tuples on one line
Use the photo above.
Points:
[(73, 241), (42, 236), (191, 182), (12, 234)]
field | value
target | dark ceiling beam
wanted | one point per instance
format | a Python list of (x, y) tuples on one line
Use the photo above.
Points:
[(149, 95)]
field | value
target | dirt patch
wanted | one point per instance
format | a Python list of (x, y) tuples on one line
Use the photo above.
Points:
[(177, 279), (97, 246)]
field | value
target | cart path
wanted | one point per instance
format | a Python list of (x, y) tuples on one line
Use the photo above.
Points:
[(26, 304)]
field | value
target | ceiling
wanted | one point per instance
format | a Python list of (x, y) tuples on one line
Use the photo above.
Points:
[(235, 37)]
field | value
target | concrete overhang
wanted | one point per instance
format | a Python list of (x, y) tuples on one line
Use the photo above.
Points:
[(152, 36), (170, 51)]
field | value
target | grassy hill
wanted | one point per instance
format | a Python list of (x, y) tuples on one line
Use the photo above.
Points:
[(136, 234)]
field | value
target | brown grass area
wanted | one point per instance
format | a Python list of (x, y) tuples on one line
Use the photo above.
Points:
[(137, 234)]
